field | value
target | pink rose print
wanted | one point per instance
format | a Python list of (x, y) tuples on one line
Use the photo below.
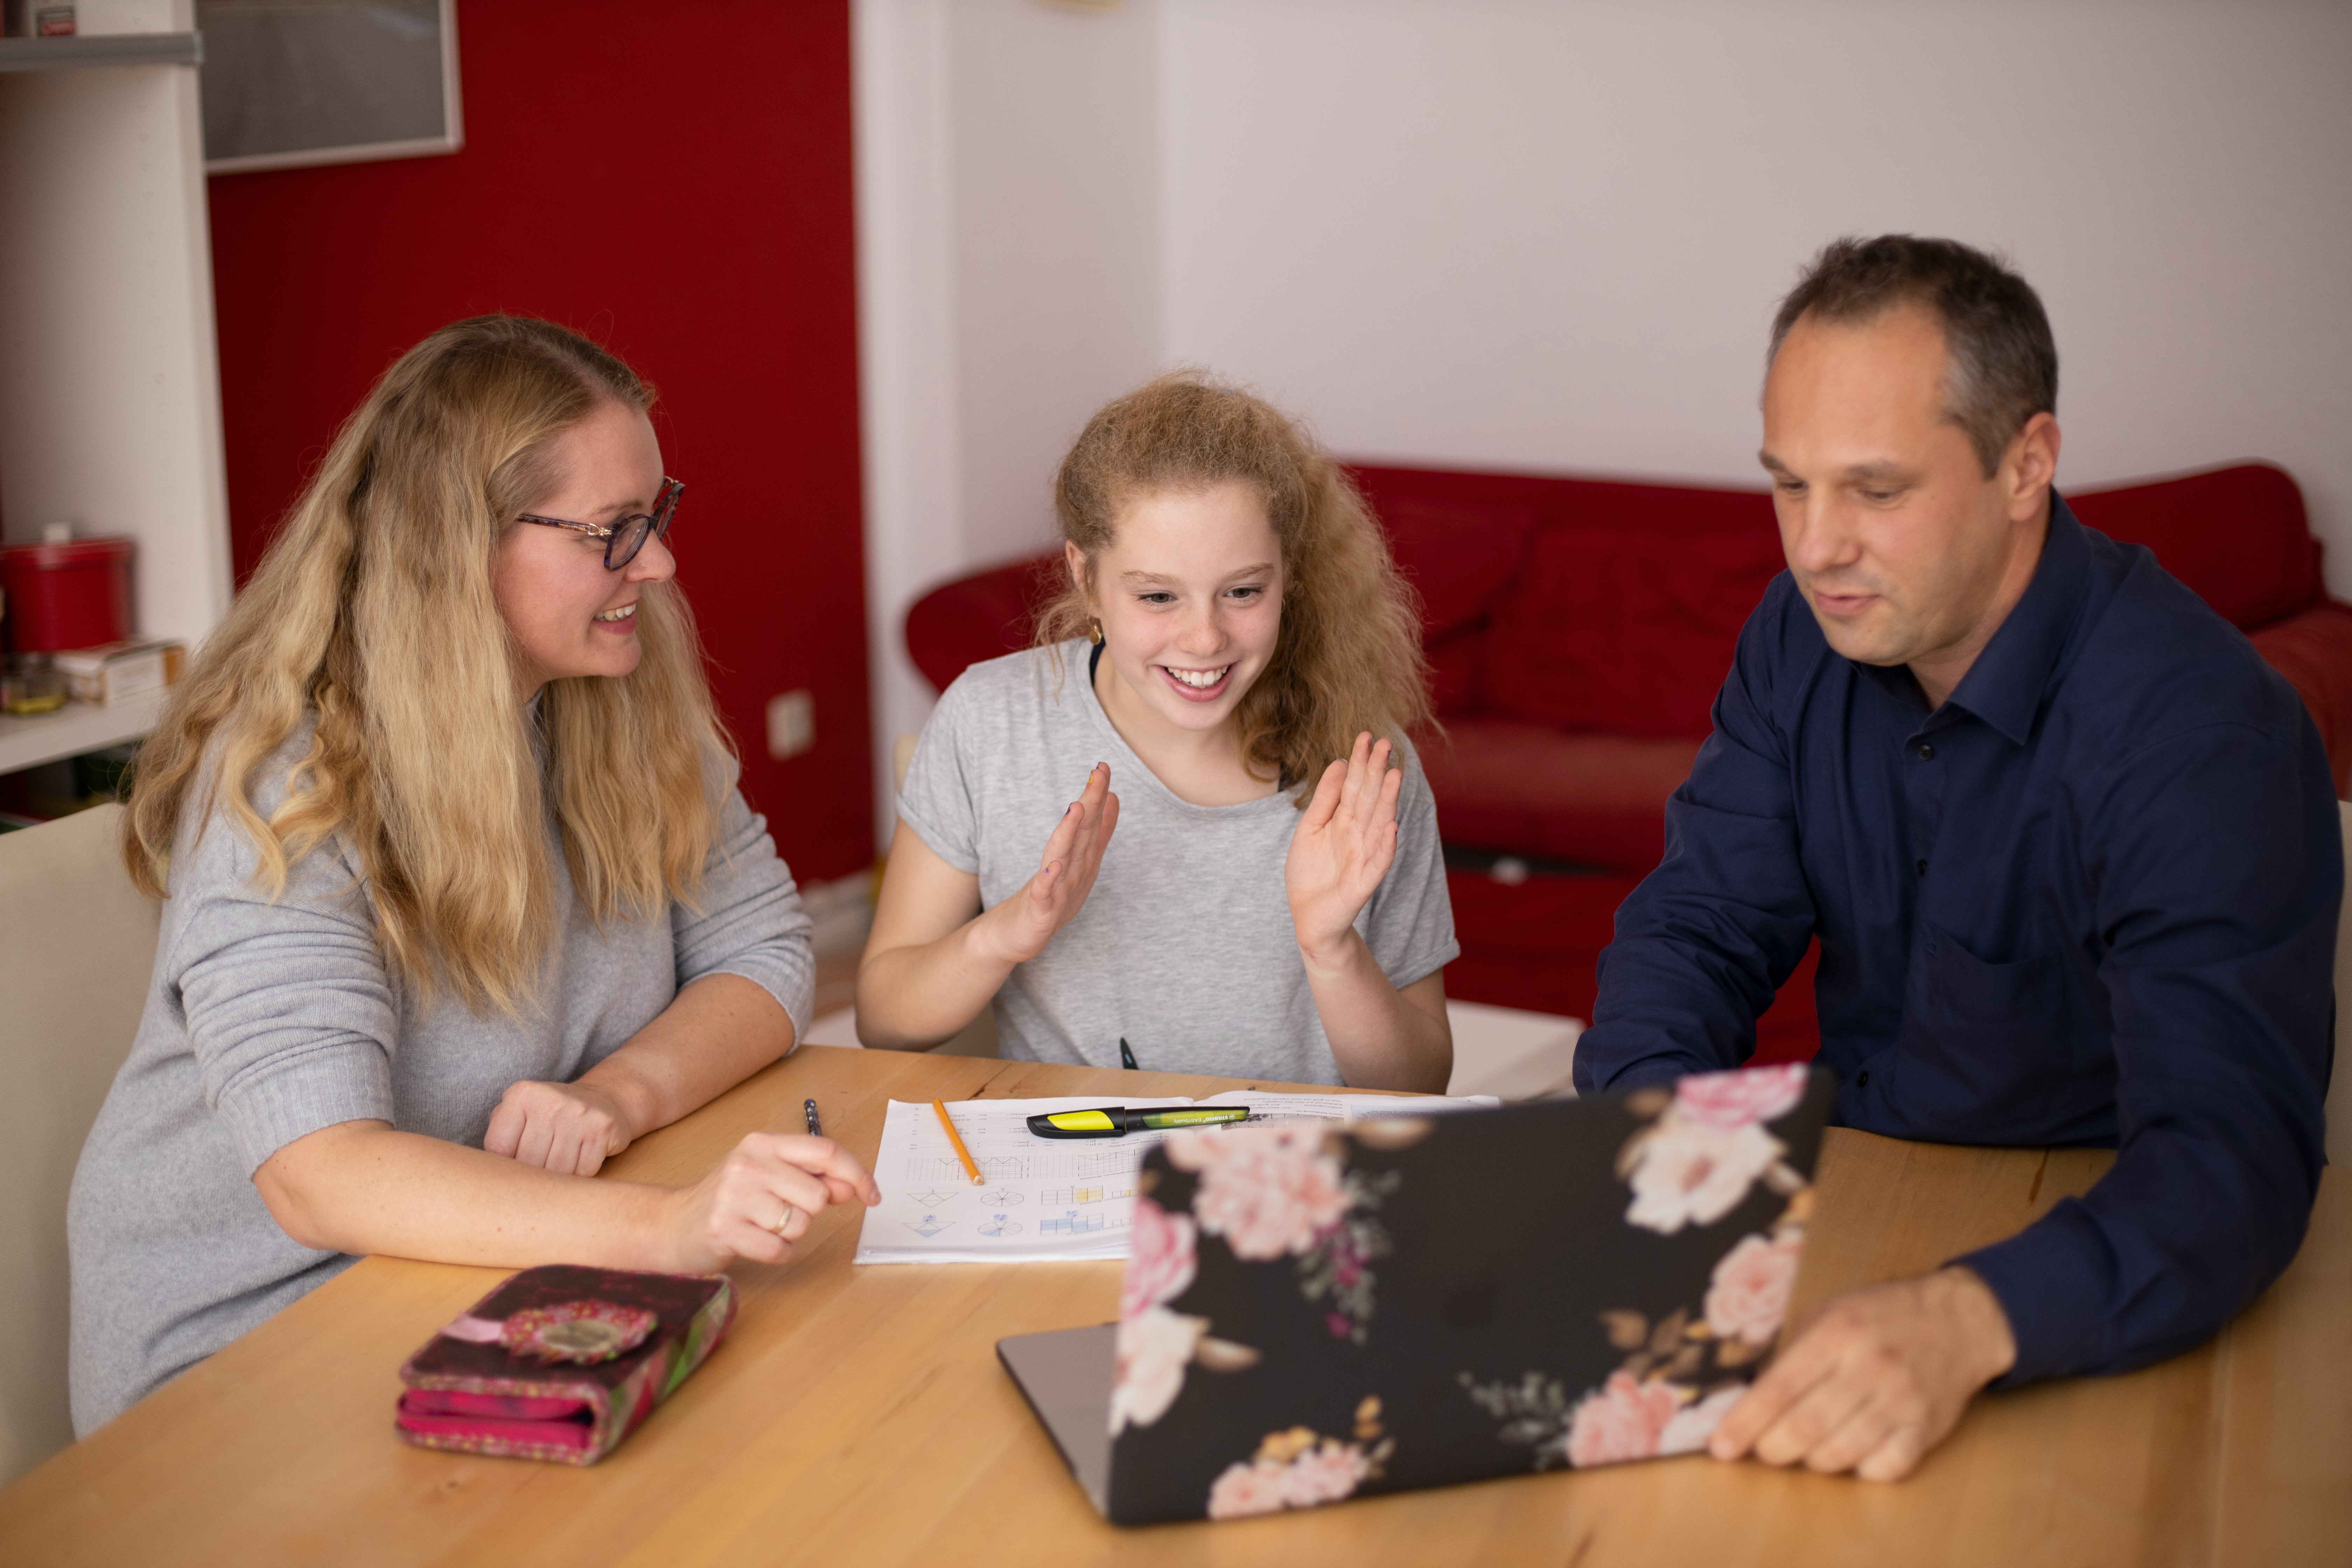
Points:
[(1154, 1346), (1245, 1489), (1325, 1473), (1293, 1469), (1688, 1433), (1161, 1266), (1622, 1419), (1748, 1295), (1692, 1172), (1267, 1192), (1733, 1099)]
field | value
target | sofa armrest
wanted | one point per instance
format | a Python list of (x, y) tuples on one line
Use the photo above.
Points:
[(2313, 648)]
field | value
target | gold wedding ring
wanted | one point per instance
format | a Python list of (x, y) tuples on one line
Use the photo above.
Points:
[(787, 1219)]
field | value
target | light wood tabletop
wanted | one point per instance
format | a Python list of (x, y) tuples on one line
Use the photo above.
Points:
[(858, 1416)]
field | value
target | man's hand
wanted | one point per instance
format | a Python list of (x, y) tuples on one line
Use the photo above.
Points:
[(1878, 1378)]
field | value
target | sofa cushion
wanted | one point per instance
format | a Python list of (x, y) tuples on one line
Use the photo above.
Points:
[(2237, 536), (959, 624), (2313, 650), (1596, 800), (1457, 557), (1625, 617)]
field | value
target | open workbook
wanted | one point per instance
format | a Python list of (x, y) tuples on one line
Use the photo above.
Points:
[(1046, 1200)]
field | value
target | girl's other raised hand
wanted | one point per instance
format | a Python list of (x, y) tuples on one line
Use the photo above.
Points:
[(1019, 928), (1344, 844)]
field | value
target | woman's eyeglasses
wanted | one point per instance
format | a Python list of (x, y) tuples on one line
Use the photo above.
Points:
[(624, 538)]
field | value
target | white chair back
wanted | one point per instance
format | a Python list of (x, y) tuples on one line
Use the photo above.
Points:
[(77, 951)]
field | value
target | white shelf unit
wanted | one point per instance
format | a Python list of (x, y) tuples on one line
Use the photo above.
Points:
[(28, 741), (110, 379)]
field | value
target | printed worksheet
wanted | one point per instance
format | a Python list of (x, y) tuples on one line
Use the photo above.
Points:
[(1046, 1199)]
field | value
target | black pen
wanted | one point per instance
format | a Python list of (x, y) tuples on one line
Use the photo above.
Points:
[(1126, 1056), (808, 1108)]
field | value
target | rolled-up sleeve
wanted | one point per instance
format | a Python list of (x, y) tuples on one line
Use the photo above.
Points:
[(290, 1009), (748, 920)]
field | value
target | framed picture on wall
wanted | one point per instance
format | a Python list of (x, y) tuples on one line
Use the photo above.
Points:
[(291, 82)]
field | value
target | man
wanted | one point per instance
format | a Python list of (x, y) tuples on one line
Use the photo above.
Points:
[(2070, 848)]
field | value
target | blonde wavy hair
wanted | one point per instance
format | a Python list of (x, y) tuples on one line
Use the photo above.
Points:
[(1347, 658), (372, 610)]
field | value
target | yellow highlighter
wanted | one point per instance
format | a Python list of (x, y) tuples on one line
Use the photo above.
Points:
[(1116, 1120)]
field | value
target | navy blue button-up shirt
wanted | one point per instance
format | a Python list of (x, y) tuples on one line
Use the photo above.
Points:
[(2091, 900)]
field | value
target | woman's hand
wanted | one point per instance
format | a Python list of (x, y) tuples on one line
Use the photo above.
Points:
[(1017, 929), (734, 1211), (1344, 844), (571, 1129)]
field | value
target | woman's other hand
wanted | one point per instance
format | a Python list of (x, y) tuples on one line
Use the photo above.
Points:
[(568, 1128), (1344, 844), (734, 1211), (1017, 929)]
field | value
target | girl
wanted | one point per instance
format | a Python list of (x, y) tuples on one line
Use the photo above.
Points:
[(462, 897), (1232, 640)]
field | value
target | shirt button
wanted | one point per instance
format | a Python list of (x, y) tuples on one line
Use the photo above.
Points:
[(1923, 868), (1862, 1078), (1926, 752)]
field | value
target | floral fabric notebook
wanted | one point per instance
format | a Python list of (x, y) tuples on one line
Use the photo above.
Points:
[(561, 1363), (1313, 1313)]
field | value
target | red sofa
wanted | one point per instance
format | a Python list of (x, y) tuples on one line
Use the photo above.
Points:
[(1577, 630)]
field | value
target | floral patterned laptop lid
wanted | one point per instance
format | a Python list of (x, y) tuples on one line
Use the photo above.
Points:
[(1314, 1315)]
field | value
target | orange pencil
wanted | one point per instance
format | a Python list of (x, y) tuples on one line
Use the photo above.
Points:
[(956, 1139)]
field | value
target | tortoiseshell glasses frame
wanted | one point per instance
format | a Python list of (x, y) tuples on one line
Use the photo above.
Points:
[(624, 538)]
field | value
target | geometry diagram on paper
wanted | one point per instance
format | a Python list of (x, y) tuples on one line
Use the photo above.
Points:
[(999, 1225), (934, 1199), (1072, 1224), (1002, 1198), (932, 1224), (1101, 1193)]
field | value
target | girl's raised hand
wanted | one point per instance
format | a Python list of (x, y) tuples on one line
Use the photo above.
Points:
[(1021, 926), (1344, 844), (735, 1211)]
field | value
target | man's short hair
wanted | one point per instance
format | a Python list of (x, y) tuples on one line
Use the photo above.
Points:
[(2003, 365)]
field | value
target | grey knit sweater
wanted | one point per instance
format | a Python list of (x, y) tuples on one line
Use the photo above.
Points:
[(267, 1020)]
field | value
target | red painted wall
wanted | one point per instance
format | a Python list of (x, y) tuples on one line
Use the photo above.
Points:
[(674, 181)]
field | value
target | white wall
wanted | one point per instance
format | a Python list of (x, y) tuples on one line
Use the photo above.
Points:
[(1008, 281), (1521, 234), (1548, 234)]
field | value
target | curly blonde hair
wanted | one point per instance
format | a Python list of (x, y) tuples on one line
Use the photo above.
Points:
[(1347, 658), (372, 610)]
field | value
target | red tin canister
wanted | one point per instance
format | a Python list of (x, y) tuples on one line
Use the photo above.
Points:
[(74, 594)]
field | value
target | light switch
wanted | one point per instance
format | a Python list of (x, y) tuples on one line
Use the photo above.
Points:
[(792, 724)]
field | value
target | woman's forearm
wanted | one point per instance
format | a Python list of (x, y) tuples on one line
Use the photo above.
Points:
[(1382, 1037), (363, 1187), (914, 997), (716, 1033)]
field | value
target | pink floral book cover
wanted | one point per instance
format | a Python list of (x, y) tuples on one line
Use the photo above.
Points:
[(561, 1363), (1311, 1315)]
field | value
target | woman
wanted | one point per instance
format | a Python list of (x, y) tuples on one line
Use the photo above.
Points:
[(461, 896), (1274, 905)]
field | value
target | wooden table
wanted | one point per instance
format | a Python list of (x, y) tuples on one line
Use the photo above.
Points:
[(858, 1416)]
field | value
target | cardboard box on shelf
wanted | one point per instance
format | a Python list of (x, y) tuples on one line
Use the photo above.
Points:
[(112, 671)]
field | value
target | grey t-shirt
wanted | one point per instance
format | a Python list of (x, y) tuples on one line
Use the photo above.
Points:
[(267, 1020), (1185, 946)]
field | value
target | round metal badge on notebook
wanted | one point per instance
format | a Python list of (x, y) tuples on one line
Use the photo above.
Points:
[(584, 1333)]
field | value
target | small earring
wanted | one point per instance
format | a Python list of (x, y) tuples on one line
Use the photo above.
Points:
[(1094, 630)]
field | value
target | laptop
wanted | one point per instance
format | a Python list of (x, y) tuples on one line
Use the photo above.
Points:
[(1313, 1312)]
